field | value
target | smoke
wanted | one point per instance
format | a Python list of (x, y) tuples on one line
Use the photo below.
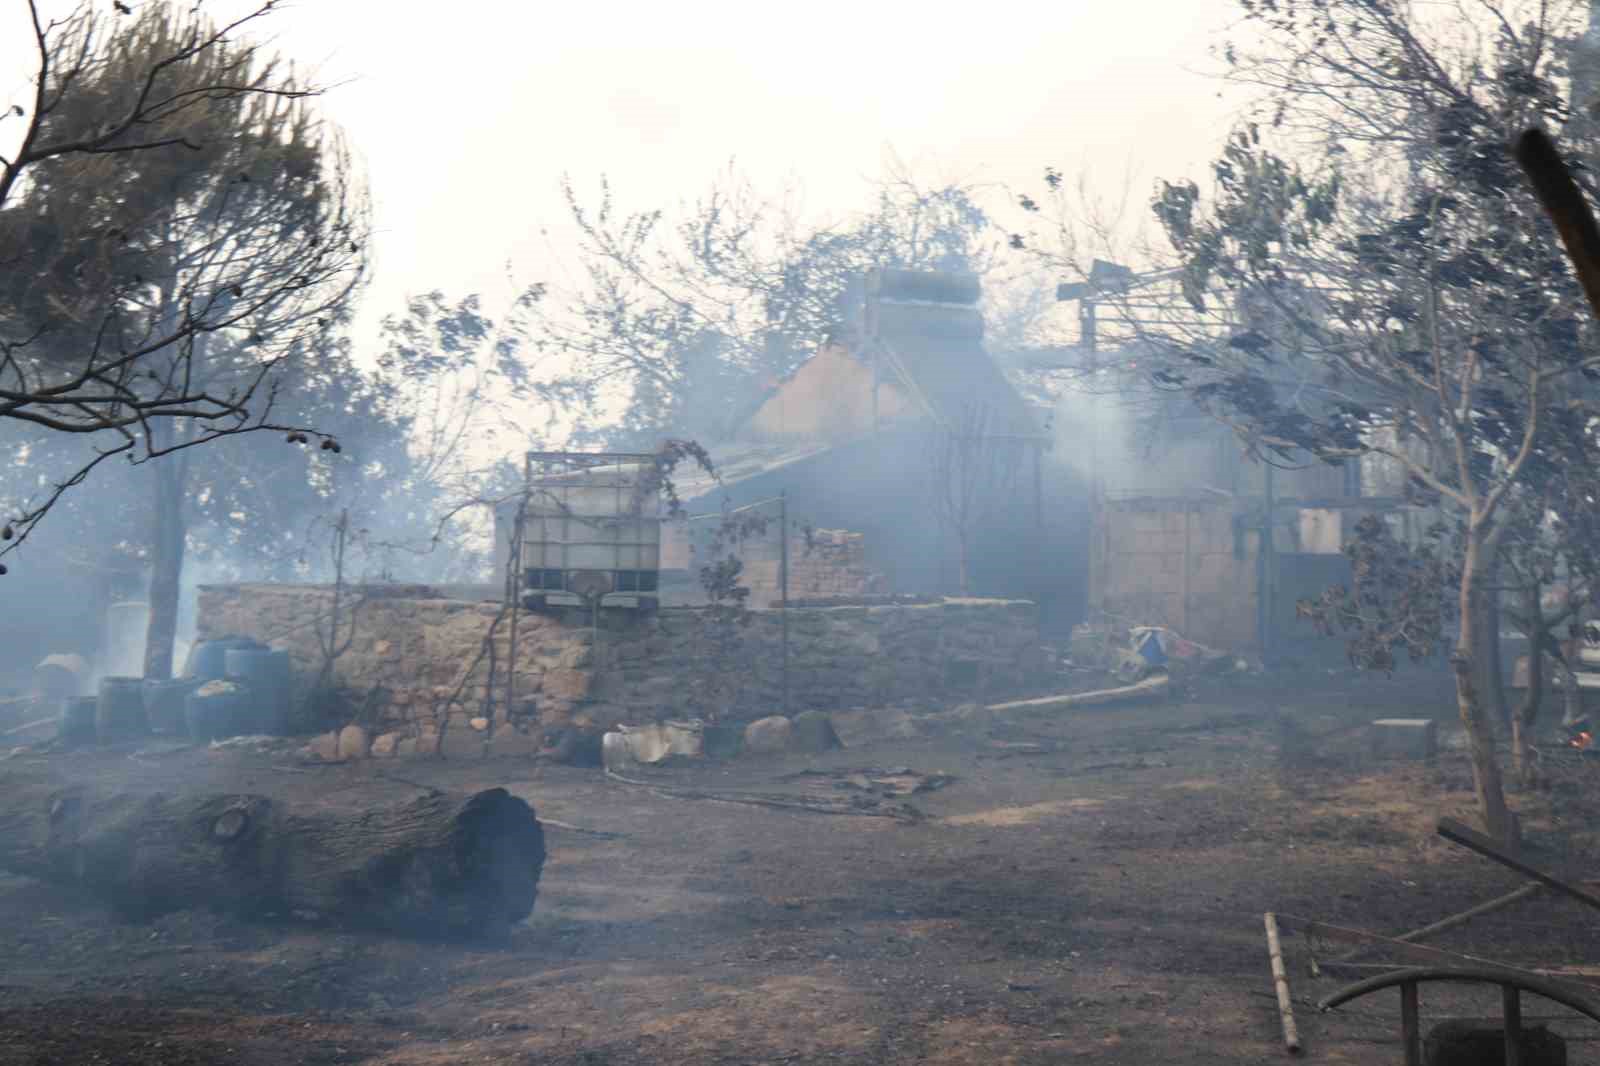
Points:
[(1131, 444)]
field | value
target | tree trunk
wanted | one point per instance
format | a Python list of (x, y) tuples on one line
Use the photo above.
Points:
[(168, 541), (1480, 728), (1527, 715), (1571, 695), (442, 865), (1491, 684)]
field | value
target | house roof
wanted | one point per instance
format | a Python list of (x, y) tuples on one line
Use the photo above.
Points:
[(936, 350), (736, 461)]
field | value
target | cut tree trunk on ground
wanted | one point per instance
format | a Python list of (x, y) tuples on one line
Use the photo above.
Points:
[(444, 865)]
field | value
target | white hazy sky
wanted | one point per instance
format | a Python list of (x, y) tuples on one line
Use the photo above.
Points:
[(467, 113)]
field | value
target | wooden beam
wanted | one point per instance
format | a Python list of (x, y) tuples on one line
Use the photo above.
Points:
[(1280, 982), (1444, 924), (1454, 831)]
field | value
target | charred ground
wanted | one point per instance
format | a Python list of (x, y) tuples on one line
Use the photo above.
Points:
[(1090, 885)]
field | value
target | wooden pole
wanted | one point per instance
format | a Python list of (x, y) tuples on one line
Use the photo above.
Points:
[(1511, 1001), (1411, 1023), (1453, 830), (783, 589), (1280, 981), (1532, 888)]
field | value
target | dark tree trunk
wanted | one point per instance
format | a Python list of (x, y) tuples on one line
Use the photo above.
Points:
[(167, 543), (442, 865), (1527, 714), (1492, 686), (1486, 779)]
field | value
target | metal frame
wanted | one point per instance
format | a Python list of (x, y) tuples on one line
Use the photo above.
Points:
[(1512, 985), (567, 463)]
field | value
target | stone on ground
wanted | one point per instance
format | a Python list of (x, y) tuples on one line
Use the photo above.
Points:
[(813, 733), (768, 736)]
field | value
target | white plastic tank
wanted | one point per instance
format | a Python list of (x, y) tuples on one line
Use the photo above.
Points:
[(126, 624)]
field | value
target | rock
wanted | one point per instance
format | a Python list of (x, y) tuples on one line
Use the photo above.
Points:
[(567, 684), (861, 727), (427, 743), (324, 747), (353, 742), (813, 733), (406, 748), (481, 725), (384, 746), (768, 736)]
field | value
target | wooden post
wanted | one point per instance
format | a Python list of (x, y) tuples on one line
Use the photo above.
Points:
[(1511, 999), (1410, 1026), (1187, 561), (1280, 981), (783, 589)]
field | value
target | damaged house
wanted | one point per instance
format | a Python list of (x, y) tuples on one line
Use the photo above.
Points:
[(903, 429), (1191, 533)]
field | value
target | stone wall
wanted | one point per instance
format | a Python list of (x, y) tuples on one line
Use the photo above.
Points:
[(826, 564), (416, 661)]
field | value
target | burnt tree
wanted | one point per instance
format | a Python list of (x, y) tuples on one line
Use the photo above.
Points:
[(442, 865)]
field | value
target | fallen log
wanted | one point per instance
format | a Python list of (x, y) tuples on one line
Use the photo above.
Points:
[(441, 865), (1150, 686)]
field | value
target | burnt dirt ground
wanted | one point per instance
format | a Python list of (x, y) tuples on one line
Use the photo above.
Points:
[(1089, 886)]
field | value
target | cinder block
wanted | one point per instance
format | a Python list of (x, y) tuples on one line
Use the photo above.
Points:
[(1404, 738)]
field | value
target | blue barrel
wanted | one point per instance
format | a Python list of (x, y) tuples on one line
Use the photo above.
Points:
[(119, 711), (77, 721), (208, 659), (266, 675), (215, 710), (164, 703)]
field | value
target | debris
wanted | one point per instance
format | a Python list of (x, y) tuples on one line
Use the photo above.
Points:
[(24, 727), (1143, 762), (1442, 925), (1280, 981), (1150, 686), (258, 740), (879, 780), (866, 806), (651, 745), (1454, 831), (1407, 738)]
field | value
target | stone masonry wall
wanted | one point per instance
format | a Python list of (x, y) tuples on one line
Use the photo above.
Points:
[(827, 564), (412, 651)]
